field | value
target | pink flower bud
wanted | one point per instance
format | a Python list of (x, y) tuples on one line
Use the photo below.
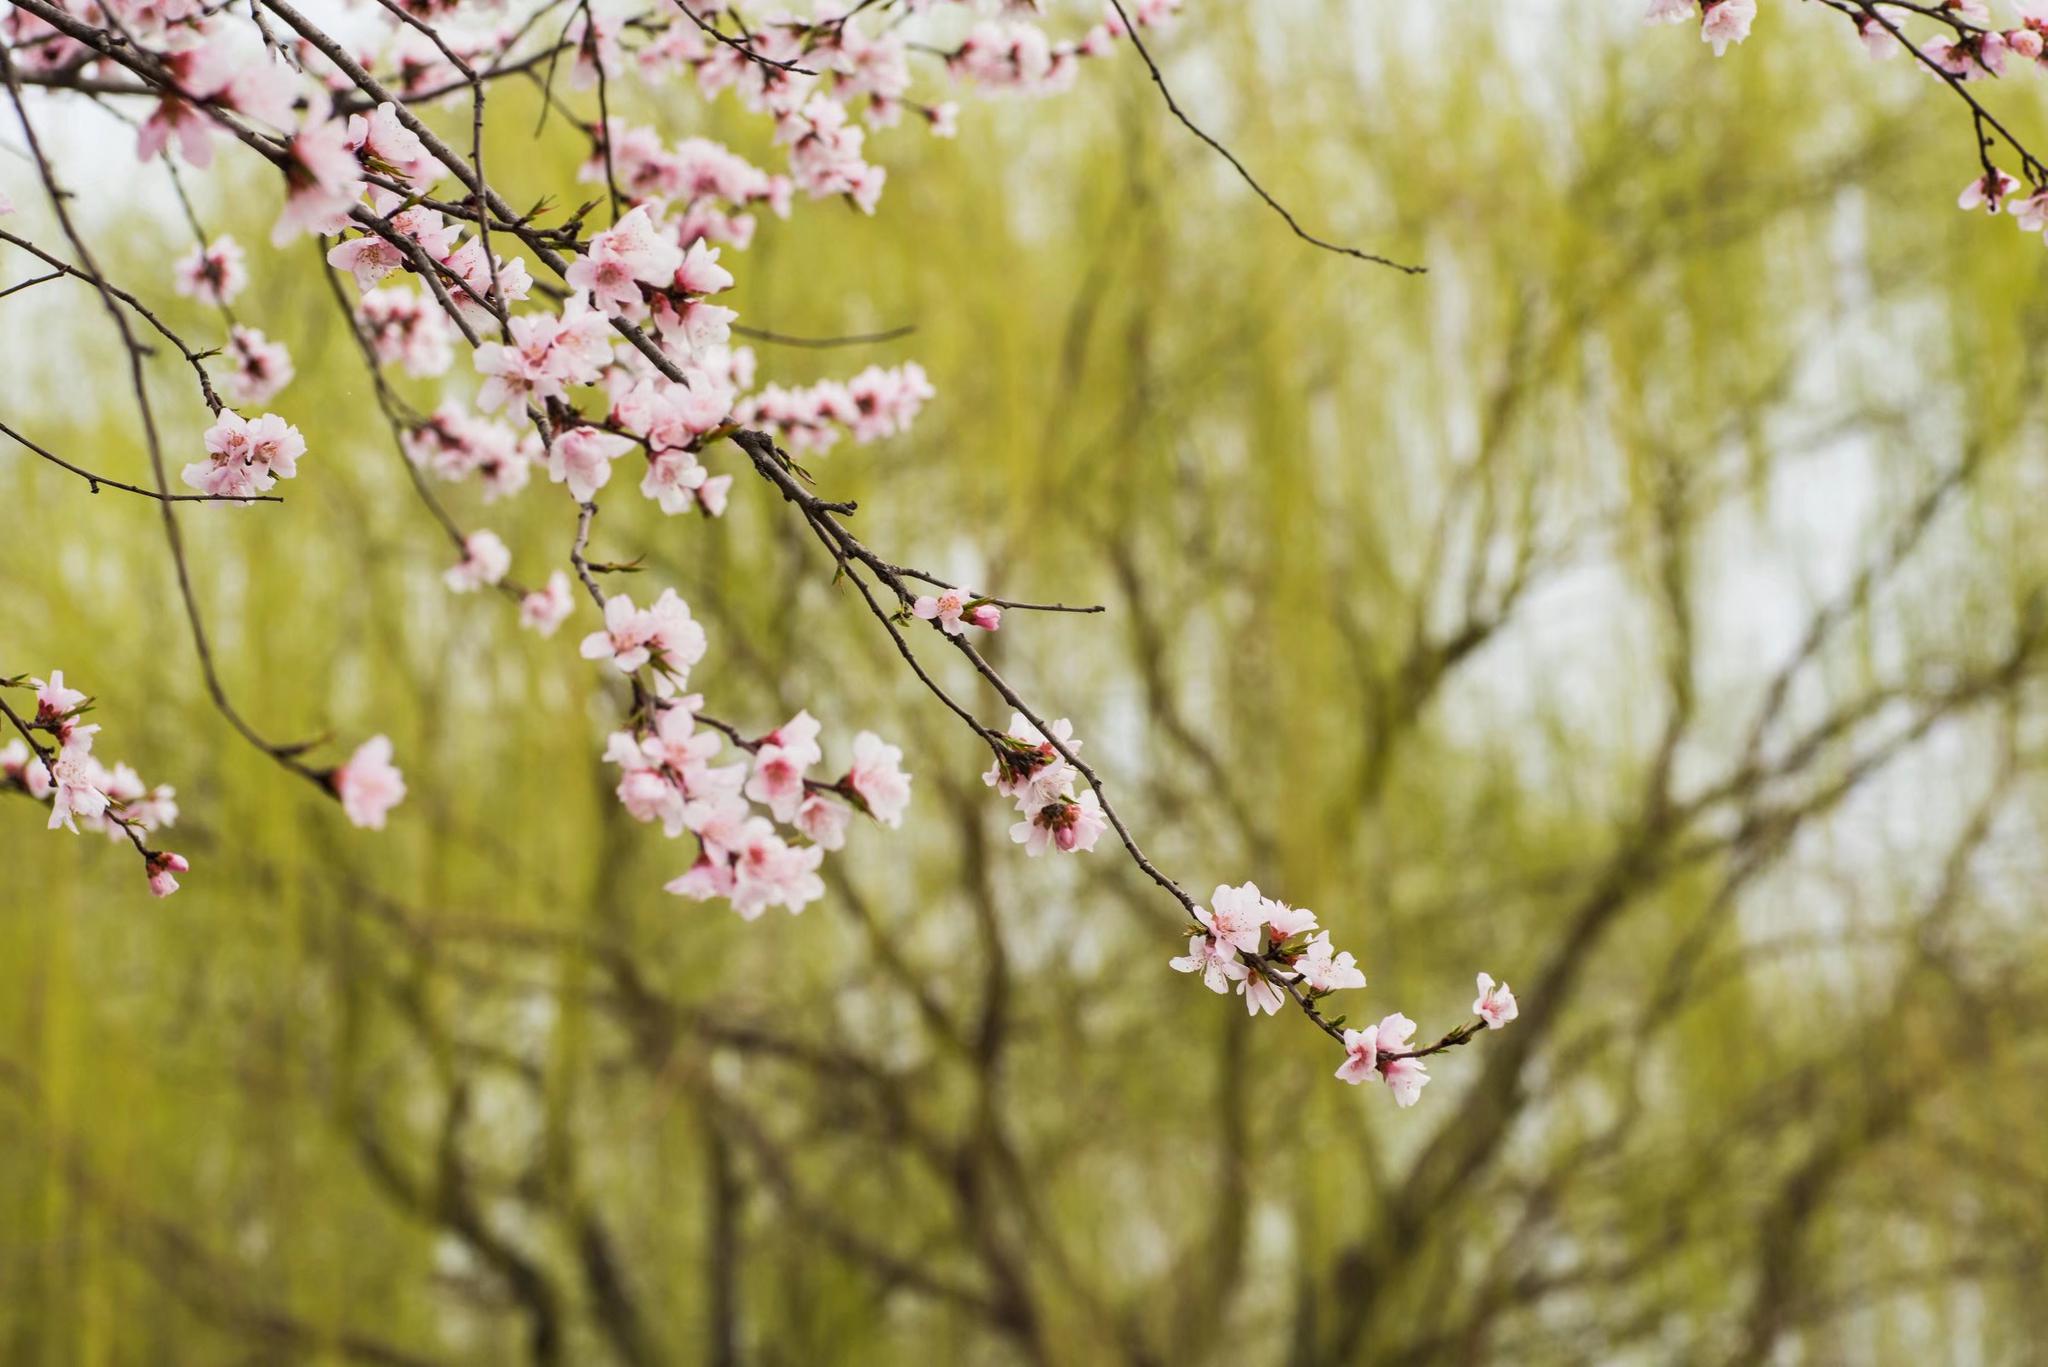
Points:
[(161, 866)]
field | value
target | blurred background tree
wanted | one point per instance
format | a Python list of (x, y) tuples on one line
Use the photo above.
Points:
[(1645, 606)]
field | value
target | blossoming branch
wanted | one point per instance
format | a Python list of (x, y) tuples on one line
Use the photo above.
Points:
[(581, 344)]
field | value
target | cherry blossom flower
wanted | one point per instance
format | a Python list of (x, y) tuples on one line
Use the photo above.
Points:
[(824, 821), (369, 785), (1725, 21), (1326, 970), (1236, 916), (1261, 990), (403, 328), (582, 458), (1405, 1077), (663, 635), (673, 479), (323, 179), (1286, 922), (485, 561), (75, 791), (213, 273), (768, 872), (161, 866), (1216, 961), (1361, 1055), (19, 766), (779, 765), (1496, 1004), (57, 705), (951, 609), (383, 140), (1988, 192), (545, 609), (246, 457), (878, 780), (262, 367), (1877, 40), (1070, 825), (631, 253)]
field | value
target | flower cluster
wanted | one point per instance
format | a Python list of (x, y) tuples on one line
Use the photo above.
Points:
[(1031, 769), (403, 329), (454, 445), (51, 760), (762, 828), (246, 457), (1269, 952)]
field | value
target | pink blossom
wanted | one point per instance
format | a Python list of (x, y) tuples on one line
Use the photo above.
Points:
[(383, 139), (631, 253), (672, 480), (1361, 1055), (545, 609), (485, 561), (404, 328), (1261, 990), (1328, 971), (1287, 922), (369, 786), (246, 457), (74, 776), (1971, 57), (948, 607), (151, 809), (711, 495), (57, 705), (664, 635), (878, 780), (213, 273), (1030, 768), (323, 180), (1723, 22), (700, 272), (546, 354), (707, 878), (19, 766), (1988, 192), (824, 821), (2030, 214), (582, 458), (1877, 40), (174, 118), (1496, 1004), (1070, 825), (1236, 916), (767, 872), (468, 264), (1216, 961), (1406, 1077), (160, 866), (262, 367), (779, 765)]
